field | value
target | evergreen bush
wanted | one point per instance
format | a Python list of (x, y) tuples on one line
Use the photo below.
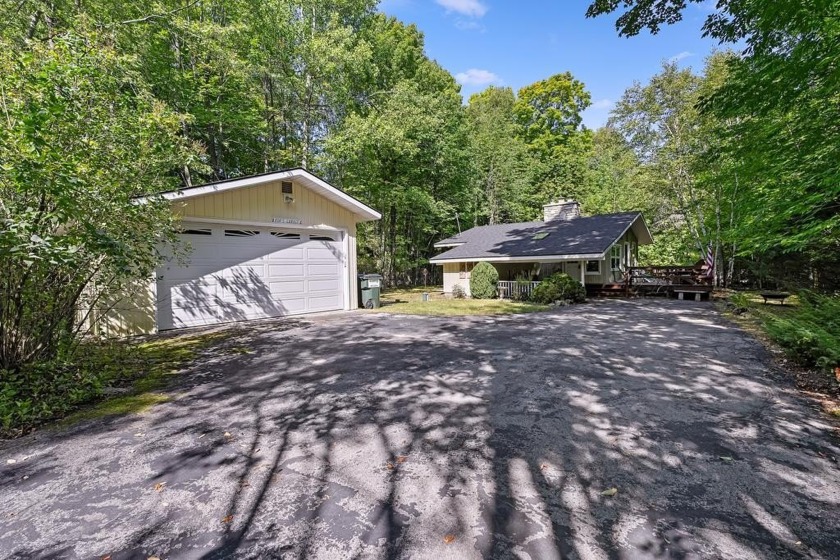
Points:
[(558, 287), (484, 281)]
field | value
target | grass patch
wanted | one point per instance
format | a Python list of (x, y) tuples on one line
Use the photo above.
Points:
[(118, 406), (104, 379), (153, 365), (409, 302)]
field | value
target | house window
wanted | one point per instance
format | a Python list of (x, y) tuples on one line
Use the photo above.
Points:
[(466, 268), (321, 238), (615, 257), (593, 267), (241, 232), (196, 232)]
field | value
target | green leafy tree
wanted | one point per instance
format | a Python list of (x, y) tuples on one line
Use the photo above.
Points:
[(662, 125), (81, 136), (618, 181), (502, 166), (405, 157), (548, 113), (777, 147)]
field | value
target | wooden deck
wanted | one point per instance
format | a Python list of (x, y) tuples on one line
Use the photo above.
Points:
[(680, 282)]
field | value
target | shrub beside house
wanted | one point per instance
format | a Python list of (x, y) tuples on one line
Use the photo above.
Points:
[(484, 281)]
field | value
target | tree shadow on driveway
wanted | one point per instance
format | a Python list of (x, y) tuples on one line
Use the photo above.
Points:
[(384, 436)]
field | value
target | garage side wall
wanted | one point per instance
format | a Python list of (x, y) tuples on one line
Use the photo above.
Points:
[(353, 268), (131, 313)]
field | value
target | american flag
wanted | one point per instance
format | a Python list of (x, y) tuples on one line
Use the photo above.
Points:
[(710, 262)]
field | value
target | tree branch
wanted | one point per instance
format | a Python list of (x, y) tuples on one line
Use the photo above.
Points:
[(150, 17)]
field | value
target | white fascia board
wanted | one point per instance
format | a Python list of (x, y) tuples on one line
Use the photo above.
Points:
[(644, 225), (545, 259), (639, 218), (441, 245), (312, 181), (629, 227)]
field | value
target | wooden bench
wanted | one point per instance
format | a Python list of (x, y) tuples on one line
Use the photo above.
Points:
[(781, 296), (698, 293)]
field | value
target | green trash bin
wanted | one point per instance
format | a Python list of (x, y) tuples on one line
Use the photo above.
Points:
[(369, 285)]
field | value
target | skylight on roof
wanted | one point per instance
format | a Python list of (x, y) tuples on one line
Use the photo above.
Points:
[(540, 235)]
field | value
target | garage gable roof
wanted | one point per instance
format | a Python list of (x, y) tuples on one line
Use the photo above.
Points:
[(302, 176), (578, 238)]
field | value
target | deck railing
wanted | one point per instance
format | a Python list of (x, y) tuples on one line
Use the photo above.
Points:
[(515, 289), (674, 275), (665, 280)]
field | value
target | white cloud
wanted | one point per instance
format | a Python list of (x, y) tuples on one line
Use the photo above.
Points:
[(680, 56), (477, 77), (603, 104), (469, 8)]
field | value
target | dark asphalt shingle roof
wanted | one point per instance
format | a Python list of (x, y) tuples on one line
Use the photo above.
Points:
[(579, 236)]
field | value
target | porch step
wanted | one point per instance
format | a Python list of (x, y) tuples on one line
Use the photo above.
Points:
[(607, 290)]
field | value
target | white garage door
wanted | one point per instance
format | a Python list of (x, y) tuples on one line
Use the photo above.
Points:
[(233, 273)]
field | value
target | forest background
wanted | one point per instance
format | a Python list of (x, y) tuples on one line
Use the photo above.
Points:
[(104, 100)]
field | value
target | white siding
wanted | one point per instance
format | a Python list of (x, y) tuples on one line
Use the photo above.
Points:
[(452, 275)]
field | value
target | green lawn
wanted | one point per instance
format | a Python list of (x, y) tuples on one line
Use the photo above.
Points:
[(409, 302)]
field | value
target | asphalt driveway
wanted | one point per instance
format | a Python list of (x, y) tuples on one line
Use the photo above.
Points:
[(377, 436)]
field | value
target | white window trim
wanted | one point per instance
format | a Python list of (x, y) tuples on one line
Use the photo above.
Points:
[(616, 253)]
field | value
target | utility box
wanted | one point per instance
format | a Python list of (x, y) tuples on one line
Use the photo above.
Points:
[(369, 286)]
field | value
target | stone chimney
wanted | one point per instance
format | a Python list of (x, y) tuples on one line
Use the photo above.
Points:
[(563, 209)]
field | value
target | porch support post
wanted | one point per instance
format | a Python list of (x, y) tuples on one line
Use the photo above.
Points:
[(583, 273)]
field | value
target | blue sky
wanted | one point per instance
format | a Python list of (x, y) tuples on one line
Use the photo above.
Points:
[(516, 43)]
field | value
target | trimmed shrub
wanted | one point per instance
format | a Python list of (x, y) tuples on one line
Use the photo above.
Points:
[(484, 281), (458, 292), (558, 287)]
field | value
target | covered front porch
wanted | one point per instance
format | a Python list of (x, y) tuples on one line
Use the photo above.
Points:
[(518, 278)]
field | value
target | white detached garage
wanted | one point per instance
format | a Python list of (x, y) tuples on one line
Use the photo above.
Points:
[(269, 245)]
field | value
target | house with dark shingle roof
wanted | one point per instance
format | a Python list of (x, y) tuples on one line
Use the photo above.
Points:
[(594, 249)]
